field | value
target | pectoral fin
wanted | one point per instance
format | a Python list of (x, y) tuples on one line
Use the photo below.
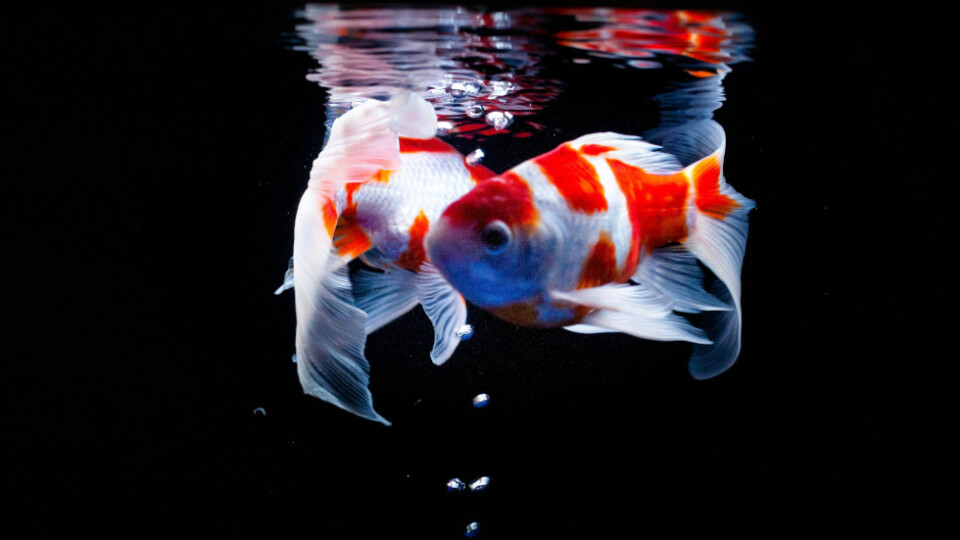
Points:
[(632, 309), (446, 309), (388, 295)]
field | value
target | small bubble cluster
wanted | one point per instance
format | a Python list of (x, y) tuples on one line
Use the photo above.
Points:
[(481, 400), (465, 89), (473, 529), (456, 485)]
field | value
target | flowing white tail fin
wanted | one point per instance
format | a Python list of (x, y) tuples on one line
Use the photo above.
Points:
[(330, 329)]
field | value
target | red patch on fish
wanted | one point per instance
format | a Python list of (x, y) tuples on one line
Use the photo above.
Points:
[(478, 172), (349, 240), (595, 149), (413, 257), (601, 265), (706, 181), (506, 197), (656, 205), (408, 145), (575, 178)]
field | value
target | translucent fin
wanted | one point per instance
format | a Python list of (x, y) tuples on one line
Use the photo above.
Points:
[(361, 144), (669, 328), (674, 272), (287, 278), (330, 329), (632, 309), (718, 238), (446, 309), (384, 296), (632, 151), (412, 116), (635, 299), (689, 142), (587, 329)]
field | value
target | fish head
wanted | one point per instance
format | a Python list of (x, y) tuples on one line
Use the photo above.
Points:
[(490, 244)]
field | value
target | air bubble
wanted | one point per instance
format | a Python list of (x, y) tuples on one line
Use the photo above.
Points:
[(443, 127), (475, 110), (473, 529), (455, 485), (499, 119), (260, 411), (463, 89), (465, 331), (481, 400), (480, 484), (294, 358), (501, 88)]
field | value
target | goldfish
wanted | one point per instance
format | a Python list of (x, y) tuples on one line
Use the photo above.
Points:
[(604, 234), (373, 191)]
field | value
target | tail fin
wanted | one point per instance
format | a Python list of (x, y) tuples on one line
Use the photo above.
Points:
[(718, 238), (330, 329)]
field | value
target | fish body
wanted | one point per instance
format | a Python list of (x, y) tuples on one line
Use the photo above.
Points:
[(604, 234), (391, 212), (374, 190)]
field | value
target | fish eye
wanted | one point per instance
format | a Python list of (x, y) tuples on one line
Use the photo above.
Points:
[(495, 236)]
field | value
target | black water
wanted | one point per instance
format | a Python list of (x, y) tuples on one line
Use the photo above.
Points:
[(148, 163)]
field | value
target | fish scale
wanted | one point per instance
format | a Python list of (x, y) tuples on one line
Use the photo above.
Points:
[(425, 181)]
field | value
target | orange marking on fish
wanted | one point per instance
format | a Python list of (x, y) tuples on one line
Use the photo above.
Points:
[(329, 213), (601, 265), (351, 189), (575, 178), (595, 149), (413, 257), (408, 146), (702, 73), (382, 176), (349, 239), (656, 205), (706, 181)]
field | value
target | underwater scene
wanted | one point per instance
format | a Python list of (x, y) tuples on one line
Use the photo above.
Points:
[(504, 270), (468, 170)]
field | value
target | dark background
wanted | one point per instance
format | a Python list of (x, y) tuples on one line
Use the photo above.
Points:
[(152, 161)]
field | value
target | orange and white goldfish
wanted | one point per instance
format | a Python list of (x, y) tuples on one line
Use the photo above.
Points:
[(375, 188), (603, 234)]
